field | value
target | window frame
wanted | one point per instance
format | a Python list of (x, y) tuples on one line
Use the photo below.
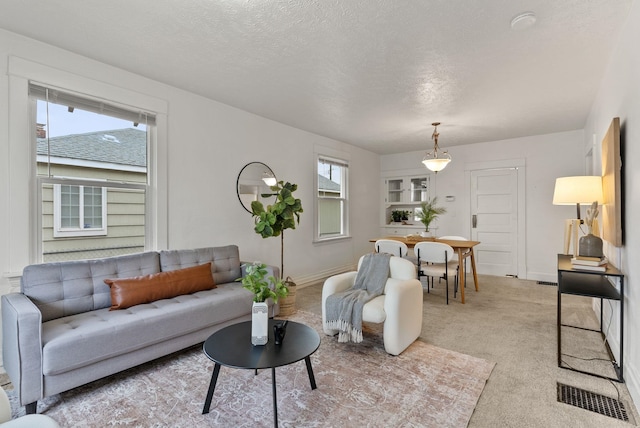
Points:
[(94, 104), (342, 161), (69, 232)]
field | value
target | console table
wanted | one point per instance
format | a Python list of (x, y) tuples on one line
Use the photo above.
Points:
[(591, 284)]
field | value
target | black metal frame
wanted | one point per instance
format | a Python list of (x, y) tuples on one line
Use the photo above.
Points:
[(596, 285)]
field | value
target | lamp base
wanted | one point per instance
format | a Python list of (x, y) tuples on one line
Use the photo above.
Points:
[(590, 246)]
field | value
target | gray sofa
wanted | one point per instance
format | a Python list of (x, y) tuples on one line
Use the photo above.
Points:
[(59, 333)]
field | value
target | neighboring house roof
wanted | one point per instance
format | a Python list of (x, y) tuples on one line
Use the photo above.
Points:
[(325, 184), (119, 146)]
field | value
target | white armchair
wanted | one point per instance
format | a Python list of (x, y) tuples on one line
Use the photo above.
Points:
[(399, 307), (28, 421)]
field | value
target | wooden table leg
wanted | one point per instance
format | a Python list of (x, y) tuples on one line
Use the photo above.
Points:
[(462, 274), (473, 268)]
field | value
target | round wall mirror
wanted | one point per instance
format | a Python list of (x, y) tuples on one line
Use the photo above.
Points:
[(254, 183)]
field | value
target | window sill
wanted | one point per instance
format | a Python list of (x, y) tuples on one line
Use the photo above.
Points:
[(331, 240)]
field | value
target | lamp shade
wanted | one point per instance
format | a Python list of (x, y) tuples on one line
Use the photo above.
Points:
[(584, 189), (436, 164)]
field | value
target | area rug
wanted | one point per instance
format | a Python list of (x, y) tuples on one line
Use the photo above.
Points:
[(358, 385)]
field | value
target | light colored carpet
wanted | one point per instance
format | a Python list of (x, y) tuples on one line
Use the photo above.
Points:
[(358, 385), (513, 322)]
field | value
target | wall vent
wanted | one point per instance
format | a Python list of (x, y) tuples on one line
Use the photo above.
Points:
[(547, 283)]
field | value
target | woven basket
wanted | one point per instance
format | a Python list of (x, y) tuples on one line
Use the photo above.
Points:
[(288, 304)]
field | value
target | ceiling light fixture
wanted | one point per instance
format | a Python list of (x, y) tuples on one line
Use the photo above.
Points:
[(523, 21), (432, 160)]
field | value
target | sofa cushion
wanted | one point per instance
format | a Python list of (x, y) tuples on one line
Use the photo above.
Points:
[(83, 339), (67, 288), (127, 292), (225, 261)]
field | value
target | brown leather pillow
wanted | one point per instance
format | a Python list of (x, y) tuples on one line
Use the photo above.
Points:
[(127, 292)]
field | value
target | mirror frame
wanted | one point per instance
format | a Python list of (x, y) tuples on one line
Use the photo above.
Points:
[(262, 166)]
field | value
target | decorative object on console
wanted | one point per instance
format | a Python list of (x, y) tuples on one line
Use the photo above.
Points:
[(257, 282), (591, 244), (432, 160), (429, 211), (598, 264), (577, 190)]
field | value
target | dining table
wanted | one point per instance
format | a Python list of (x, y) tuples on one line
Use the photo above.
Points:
[(463, 248)]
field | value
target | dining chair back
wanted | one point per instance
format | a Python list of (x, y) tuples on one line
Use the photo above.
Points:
[(458, 238), (436, 260), (390, 246)]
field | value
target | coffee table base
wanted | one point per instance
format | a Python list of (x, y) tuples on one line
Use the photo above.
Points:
[(214, 380)]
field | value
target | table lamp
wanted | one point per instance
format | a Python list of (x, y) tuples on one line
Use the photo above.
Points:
[(584, 189)]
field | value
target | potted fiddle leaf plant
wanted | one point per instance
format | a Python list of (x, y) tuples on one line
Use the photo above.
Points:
[(429, 211), (273, 219)]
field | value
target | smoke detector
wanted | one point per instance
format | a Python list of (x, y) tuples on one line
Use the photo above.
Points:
[(523, 21)]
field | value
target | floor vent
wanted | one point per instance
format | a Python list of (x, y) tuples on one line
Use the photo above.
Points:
[(547, 283), (591, 401)]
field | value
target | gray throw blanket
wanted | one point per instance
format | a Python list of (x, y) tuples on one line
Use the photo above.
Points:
[(344, 310)]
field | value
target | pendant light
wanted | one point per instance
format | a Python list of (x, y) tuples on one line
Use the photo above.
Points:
[(432, 160)]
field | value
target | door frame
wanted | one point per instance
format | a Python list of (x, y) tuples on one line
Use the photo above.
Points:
[(519, 165)]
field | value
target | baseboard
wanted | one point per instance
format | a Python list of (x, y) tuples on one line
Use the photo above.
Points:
[(303, 281), (541, 276), (632, 380)]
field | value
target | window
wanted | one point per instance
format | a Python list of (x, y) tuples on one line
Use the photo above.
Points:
[(91, 170), (79, 210), (332, 202)]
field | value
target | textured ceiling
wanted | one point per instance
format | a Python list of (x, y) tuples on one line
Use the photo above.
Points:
[(373, 73)]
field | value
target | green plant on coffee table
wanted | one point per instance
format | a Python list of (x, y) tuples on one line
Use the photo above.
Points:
[(258, 283), (429, 211)]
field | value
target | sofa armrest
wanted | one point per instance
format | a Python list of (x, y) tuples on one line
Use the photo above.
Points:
[(403, 306), (22, 346), (332, 285)]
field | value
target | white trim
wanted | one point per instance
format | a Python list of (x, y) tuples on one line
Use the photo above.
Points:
[(308, 280), (62, 232), (343, 162), (84, 86), (24, 235), (91, 164)]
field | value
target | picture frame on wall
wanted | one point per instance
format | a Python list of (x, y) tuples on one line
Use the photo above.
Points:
[(612, 185)]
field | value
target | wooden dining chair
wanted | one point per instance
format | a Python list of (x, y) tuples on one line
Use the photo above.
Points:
[(436, 260)]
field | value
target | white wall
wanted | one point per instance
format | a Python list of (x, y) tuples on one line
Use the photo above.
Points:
[(546, 157), (619, 96), (206, 146)]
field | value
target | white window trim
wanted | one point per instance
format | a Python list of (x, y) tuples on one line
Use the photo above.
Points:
[(23, 232), (338, 157), (65, 232)]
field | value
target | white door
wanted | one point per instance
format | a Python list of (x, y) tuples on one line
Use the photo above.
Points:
[(494, 220)]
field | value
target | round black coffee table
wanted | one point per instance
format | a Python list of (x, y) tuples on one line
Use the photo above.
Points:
[(231, 347)]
